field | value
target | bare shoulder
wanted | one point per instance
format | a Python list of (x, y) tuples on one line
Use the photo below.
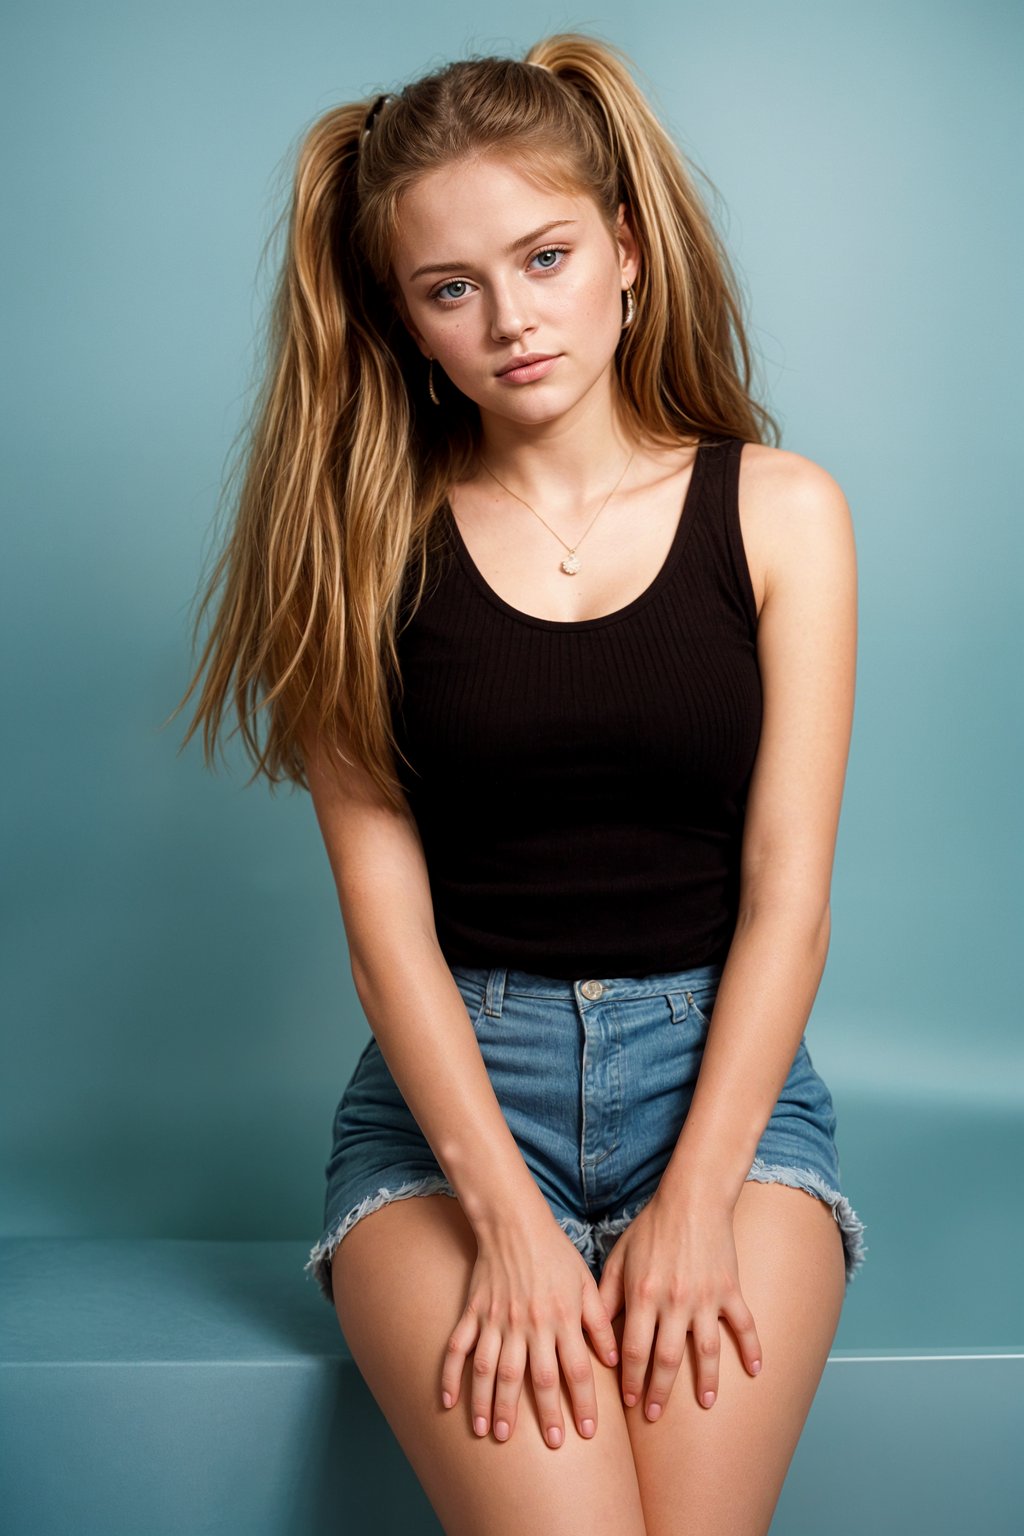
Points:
[(794, 517)]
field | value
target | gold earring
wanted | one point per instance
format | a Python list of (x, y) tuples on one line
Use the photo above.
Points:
[(630, 306), (430, 383)]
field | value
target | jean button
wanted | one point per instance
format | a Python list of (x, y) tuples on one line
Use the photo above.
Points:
[(592, 989)]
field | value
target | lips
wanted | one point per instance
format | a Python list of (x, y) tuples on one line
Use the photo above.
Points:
[(525, 360)]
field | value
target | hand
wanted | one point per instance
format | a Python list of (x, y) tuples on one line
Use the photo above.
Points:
[(529, 1290), (675, 1267)]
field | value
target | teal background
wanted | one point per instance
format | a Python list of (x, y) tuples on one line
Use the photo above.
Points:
[(179, 1014)]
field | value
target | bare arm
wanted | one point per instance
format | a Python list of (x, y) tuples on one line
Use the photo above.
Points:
[(530, 1288), (415, 1010), (677, 1262), (806, 651)]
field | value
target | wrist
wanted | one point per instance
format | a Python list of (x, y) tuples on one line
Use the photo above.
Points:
[(499, 1195), (519, 1215), (698, 1191)]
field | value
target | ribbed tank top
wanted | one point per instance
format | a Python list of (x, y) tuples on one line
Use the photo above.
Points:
[(580, 786)]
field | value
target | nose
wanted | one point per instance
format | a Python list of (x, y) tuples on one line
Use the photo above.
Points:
[(508, 320)]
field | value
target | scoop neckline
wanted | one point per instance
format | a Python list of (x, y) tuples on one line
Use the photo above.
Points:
[(683, 526)]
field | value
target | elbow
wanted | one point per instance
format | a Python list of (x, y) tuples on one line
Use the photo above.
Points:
[(804, 919), (360, 974), (381, 956)]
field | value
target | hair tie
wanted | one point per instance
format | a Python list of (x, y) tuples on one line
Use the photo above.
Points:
[(371, 116)]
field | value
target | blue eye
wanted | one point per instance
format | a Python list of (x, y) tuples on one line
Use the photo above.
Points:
[(456, 282), (461, 282)]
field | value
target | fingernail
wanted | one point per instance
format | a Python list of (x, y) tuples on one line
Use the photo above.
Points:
[(614, 1357), (480, 1425), (654, 1410), (708, 1399), (447, 1399), (501, 1430), (755, 1366), (587, 1426), (554, 1435), (630, 1399)]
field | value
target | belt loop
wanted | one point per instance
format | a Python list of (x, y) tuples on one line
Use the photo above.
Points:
[(679, 1005), (495, 991)]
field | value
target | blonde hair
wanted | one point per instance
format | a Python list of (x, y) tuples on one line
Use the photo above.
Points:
[(346, 463)]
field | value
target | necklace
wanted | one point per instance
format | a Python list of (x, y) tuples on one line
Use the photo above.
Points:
[(571, 564)]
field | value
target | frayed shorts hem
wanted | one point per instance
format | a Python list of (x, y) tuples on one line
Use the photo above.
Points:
[(319, 1262), (595, 1240), (849, 1223)]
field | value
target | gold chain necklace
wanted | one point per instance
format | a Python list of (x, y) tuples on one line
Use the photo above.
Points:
[(571, 564)]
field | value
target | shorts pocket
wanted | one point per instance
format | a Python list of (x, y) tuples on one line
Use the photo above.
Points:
[(701, 1001), (693, 1005), (473, 992)]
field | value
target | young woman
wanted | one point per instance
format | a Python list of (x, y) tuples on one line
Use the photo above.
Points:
[(564, 653)]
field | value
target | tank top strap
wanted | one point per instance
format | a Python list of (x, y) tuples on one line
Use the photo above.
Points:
[(719, 543)]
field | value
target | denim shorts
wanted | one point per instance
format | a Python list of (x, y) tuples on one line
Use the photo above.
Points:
[(594, 1078)]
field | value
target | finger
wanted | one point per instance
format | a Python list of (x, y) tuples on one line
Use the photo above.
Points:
[(460, 1342), (611, 1290), (637, 1337), (511, 1371), (707, 1349), (669, 1349), (485, 1368), (598, 1322), (741, 1321), (544, 1374), (579, 1374)]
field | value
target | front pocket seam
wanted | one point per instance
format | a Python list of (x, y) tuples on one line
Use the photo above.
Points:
[(698, 1010), (475, 1016)]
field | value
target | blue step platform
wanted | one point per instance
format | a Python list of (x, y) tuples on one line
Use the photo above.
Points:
[(168, 1387)]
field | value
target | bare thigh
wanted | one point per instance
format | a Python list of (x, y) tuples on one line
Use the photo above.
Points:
[(720, 1470), (400, 1279)]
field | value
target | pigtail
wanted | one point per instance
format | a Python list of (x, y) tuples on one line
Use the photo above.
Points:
[(684, 363), (310, 578)]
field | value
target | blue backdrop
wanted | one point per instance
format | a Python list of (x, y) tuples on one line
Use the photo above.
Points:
[(179, 1013)]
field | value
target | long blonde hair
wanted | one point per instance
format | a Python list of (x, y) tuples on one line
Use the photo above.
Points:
[(346, 463)]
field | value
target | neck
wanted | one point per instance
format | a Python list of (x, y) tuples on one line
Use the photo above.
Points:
[(558, 464)]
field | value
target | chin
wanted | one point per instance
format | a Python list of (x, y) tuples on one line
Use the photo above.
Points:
[(536, 410)]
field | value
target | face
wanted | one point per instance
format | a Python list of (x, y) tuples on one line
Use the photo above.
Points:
[(501, 283)]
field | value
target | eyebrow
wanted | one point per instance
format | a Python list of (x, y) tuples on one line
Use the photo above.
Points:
[(510, 250)]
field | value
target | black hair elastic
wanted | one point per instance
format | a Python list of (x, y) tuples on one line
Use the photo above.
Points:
[(371, 116)]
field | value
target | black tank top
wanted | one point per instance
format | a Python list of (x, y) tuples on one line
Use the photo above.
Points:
[(580, 786)]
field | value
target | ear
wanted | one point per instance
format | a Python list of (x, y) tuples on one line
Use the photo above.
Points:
[(629, 250)]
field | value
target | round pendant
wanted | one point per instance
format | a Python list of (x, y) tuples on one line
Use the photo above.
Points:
[(571, 564)]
